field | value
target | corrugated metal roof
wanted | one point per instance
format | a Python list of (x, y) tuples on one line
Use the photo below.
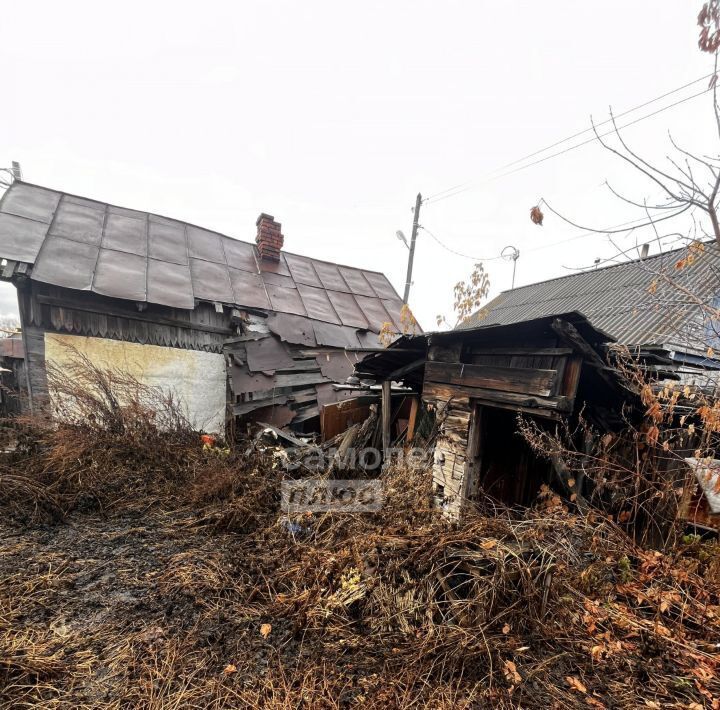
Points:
[(87, 245), (649, 301)]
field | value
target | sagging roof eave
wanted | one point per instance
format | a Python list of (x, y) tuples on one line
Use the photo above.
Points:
[(410, 342)]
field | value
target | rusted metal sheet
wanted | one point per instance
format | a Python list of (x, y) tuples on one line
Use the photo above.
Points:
[(337, 366), (121, 275), (327, 393), (292, 329), (330, 277), (211, 281), (373, 310), (369, 339), (79, 222), (285, 300), (301, 269), (317, 304), (123, 233), (167, 241), (380, 284), (245, 381), (21, 239), (240, 255), (356, 281), (274, 267), (249, 289), (270, 277), (170, 284), (66, 263), (347, 309), (335, 336), (267, 354), (31, 202), (277, 415), (203, 244)]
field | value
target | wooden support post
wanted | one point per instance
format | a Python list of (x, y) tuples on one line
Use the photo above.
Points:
[(386, 416), (471, 474), (414, 405)]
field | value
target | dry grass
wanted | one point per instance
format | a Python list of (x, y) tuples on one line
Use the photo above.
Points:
[(179, 584)]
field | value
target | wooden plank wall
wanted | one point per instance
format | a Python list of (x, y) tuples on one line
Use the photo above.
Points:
[(460, 375)]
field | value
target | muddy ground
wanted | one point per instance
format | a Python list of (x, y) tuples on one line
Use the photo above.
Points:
[(109, 603)]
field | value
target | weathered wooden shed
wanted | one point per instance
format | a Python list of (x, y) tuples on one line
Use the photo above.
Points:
[(477, 381), (230, 326)]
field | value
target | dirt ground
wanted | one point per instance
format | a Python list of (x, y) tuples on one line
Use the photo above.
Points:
[(97, 595)]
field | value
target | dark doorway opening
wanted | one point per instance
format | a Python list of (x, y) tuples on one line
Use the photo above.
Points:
[(505, 467)]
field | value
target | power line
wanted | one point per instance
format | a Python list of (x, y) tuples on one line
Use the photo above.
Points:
[(573, 147), (631, 225), (457, 253), (463, 187)]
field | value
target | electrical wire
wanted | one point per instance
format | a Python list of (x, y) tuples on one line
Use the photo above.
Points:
[(631, 225), (457, 253), (463, 187)]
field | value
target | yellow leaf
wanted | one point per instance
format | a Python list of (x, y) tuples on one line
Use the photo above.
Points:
[(571, 482), (265, 630), (229, 669), (488, 544)]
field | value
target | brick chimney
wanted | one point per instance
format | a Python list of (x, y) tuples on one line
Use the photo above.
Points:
[(269, 239)]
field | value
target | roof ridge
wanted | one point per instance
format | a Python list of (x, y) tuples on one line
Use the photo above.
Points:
[(603, 268)]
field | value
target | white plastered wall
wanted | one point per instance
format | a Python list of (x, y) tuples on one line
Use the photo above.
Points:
[(197, 378)]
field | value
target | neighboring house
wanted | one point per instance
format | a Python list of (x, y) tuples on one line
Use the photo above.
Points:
[(657, 305), (229, 325), (478, 379)]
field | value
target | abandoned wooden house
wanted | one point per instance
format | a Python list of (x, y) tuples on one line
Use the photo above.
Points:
[(478, 379), (660, 306), (230, 326)]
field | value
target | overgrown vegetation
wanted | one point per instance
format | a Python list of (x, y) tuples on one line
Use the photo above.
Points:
[(139, 569)]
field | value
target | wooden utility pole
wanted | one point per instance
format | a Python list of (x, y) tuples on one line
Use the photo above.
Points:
[(411, 256), (386, 414)]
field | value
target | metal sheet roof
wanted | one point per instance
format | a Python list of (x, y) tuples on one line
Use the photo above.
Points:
[(641, 303), (88, 245)]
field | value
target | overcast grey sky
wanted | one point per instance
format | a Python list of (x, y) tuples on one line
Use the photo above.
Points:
[(332, 116)]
